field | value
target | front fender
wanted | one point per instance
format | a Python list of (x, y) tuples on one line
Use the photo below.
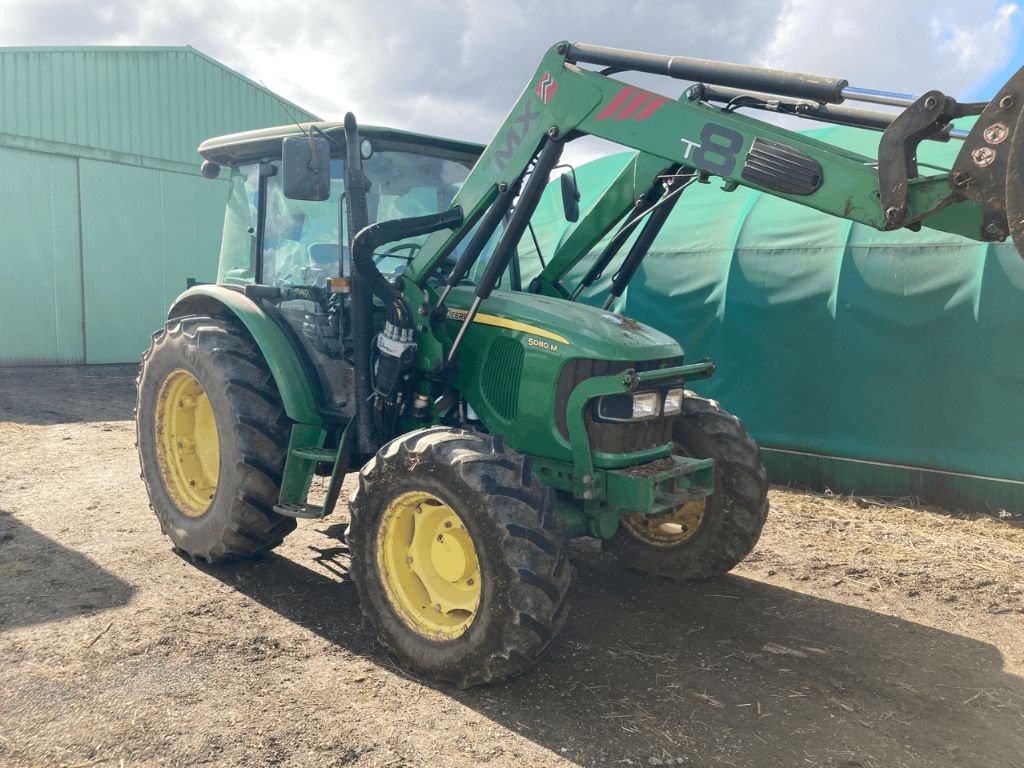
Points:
[(296, 389)]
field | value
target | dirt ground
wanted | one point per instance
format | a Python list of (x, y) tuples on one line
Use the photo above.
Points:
[(858, 634)]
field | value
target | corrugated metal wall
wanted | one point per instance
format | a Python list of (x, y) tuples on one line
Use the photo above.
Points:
[(136, 259), (40, 274), (103, 215)]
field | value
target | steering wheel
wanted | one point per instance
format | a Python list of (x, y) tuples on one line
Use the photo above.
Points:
[(412, 248)]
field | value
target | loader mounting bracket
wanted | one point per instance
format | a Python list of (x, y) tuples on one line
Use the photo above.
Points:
[(928, 117), (988, 167)]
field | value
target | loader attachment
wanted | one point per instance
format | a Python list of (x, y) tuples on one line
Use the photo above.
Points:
[(990, 166)]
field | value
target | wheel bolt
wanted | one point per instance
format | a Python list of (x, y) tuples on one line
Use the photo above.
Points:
[(996, 134), (447, 523), (469, 582), (408, 561), (437, 607), (983, 156)]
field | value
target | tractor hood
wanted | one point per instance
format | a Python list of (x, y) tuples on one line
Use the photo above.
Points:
[(525, 355), (568, 328)]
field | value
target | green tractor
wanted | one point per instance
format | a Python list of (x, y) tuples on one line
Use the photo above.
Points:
[(370, 314)]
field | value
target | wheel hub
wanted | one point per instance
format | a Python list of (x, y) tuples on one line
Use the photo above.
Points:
[(670, 529), (428, 565), (187, 446)]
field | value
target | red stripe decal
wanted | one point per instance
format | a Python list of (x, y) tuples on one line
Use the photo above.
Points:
[(652, 106), (634, 105), (617, 102)]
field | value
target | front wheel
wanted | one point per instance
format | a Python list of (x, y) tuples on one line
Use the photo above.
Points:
[(458, 556), (706, 537)]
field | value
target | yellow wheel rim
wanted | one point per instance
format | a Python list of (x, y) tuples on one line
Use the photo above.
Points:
[(667, 530), (188, 449), (428, 566)]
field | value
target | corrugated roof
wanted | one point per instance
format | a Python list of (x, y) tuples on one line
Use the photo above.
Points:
[(146, 101)]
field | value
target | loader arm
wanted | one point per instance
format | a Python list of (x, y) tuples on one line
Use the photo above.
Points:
[(564, 100)]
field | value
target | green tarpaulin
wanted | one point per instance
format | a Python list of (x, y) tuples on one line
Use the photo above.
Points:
[(878, 363)]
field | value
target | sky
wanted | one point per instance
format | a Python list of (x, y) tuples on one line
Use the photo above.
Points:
[(455, 68)]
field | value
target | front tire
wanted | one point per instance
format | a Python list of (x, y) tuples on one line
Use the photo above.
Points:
[(459, 558), (212, 438), (711, 536)]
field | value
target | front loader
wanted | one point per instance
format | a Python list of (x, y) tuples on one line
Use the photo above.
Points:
[(370, 315)]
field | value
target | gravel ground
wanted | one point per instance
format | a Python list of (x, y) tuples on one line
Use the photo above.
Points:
[(859, 633)]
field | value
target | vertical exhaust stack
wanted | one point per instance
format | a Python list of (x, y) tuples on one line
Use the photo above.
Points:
[(362, 297)]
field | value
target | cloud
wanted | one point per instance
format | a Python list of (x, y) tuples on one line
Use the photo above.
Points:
[(909, 47), (977, 46), (455, 68)]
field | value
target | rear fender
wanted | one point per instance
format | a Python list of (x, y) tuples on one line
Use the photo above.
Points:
[(297, 391)]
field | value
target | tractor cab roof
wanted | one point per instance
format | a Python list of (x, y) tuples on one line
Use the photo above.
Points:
[(265, 143)]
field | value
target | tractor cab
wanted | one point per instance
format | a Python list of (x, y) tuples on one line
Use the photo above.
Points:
[(273, 239)]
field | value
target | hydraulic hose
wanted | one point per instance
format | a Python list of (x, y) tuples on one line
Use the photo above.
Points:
[(485, 230), (658, 216)]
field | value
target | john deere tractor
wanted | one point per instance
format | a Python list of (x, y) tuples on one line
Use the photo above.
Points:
[(370, 315)]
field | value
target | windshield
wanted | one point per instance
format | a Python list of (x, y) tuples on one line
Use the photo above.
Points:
[(300, 241)]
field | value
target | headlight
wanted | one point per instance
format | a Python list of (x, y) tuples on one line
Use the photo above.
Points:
[(673, 401), (644, 405)]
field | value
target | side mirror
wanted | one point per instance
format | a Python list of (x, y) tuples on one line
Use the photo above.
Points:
[(306, 168), (570, 196)]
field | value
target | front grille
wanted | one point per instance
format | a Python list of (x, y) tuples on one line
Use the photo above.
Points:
[(621, 437)]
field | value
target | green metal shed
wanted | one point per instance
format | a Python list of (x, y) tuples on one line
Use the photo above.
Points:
[(103, 212)]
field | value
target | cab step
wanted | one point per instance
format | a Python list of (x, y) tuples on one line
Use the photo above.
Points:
[(329, 455), (303, 511), (304, 454)]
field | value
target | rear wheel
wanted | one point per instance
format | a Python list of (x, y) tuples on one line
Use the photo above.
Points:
[(458, 555), (212, 439), (709, 536)]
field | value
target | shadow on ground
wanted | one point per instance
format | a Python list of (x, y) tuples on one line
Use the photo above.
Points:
[(42, 581), (730, 672), (62, 394)]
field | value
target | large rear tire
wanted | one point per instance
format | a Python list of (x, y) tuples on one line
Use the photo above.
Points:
[(212, 438), (710, 536), (459, 558)]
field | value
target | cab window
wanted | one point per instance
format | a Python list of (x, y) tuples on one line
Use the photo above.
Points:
[(300, 239)]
